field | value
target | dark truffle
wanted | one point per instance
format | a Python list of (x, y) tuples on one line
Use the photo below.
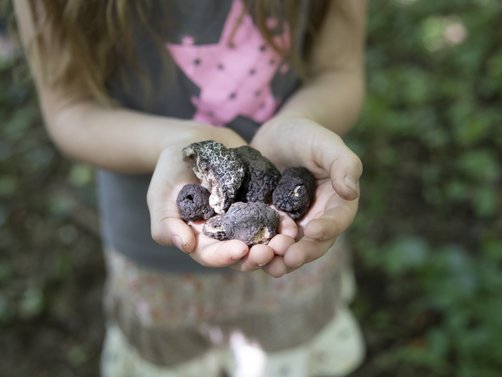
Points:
[(261, 176), (193, 203), (253, 223), (219, 169), (294, 192)]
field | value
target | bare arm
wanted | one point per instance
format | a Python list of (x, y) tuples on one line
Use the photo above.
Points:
[(112, 138), (306, 132), (334, 93), (132, 142)]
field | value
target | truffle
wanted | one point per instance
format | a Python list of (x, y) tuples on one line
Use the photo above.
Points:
[(214, 228), (253, 223), (193, 203), (261, 176), (219, 169), (294, 192)]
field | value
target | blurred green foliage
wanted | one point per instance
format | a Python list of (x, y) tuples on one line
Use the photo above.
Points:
[(51, 271), (427, 240), (428, 236)]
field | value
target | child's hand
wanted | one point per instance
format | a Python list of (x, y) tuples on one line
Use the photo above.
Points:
[(301, 142), (170, 175)]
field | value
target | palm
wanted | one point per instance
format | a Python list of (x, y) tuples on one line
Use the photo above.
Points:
[(327, 203), (170, 175)]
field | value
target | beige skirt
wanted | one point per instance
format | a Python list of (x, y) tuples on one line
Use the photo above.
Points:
[(203, 324)]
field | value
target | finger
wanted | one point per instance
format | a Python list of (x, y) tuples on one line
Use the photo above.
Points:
[(304, 251), (276, 268), (344, 166), (165, 224), (345, 172), (332, 222), (258, 256), (287, 225), (173, 231), (212, 253), (280, 243)]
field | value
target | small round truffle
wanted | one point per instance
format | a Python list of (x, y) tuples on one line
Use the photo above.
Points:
[(294, 192), (193, 203), (252, 222), (261, 176), (219, 169)]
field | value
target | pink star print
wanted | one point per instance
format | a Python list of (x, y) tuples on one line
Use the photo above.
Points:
[(233, 74)]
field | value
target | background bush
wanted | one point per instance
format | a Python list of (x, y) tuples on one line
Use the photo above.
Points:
[(427, 239)]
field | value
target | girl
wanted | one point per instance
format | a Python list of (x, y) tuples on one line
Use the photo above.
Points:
[(125, 85)]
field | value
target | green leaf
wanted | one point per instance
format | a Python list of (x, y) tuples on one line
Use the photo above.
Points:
[(405, 254), (479, 164), (80, 174), (32, 303)]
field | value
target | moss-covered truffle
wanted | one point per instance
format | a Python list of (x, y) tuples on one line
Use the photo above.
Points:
[(219, 169), (294, 192), (253, 223), (261, 176), (193, 203)]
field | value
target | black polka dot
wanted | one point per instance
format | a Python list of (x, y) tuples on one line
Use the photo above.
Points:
[(220, 66), (257, 93), (232, 95), (252, 72), (197, 61), (263, 48)]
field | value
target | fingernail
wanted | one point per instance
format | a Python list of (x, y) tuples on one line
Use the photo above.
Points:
[(176, 240), (350, 182)]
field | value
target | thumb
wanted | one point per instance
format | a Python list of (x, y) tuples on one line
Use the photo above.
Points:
[(345, 173), (173, 231), (167, 227), (344, 166)]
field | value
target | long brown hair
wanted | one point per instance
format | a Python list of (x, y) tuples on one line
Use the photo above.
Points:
[(88, 37)]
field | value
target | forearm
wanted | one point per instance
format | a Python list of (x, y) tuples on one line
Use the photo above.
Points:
[(120, 139), (332, 99), (326, 106)]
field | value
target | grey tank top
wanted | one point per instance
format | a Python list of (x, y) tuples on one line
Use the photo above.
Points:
[(217, 74)]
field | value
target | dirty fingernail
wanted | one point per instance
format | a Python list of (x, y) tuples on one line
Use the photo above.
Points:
[(350, 182)]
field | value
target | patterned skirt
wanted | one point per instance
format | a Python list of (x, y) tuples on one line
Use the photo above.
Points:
[(237, 324)]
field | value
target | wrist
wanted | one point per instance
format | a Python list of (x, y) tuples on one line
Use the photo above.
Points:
[(189, 131)]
